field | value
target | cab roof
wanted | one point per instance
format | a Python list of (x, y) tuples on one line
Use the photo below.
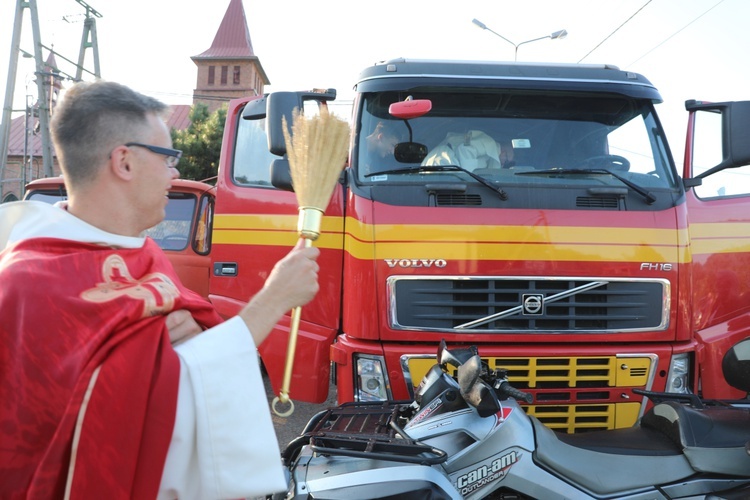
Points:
[(403, 74)]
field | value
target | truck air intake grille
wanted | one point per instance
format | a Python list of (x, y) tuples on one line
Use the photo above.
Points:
[(597, 202), (521, 304), (458, 200)]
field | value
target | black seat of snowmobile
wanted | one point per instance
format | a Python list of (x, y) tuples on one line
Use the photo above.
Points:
[(736, 365), (610, 468), (712, 438)]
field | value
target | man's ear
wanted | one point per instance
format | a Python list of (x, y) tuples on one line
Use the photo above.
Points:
[(119, 162)]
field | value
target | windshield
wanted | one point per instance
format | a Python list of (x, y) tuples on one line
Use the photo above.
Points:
[(173, 233), (498, 135)]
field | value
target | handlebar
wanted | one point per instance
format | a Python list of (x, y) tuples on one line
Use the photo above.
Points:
[(508, 390), (476, 380)]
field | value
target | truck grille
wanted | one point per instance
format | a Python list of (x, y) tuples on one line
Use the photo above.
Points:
[(528, 305), (574, 419)]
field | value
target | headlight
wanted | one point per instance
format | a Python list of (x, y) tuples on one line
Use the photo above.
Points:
[(678, 379), (372, 384)]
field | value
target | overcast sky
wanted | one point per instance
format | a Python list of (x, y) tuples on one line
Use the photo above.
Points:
[(689, 49)]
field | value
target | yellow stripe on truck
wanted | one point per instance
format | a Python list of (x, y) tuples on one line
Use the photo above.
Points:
[(571, 243), (720, 238)]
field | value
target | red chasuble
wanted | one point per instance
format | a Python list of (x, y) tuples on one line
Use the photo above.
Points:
[(88, 377)]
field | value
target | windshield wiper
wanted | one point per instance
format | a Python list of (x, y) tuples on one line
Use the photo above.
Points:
[(444, 168), (647, 195)]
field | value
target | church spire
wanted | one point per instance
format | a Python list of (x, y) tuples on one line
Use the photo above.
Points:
[(229, 68), (233, 37)]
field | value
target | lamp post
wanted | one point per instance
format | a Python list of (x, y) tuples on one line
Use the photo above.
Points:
[(557, 35)]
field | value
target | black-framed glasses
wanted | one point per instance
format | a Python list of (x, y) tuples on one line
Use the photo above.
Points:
[(173, 155)]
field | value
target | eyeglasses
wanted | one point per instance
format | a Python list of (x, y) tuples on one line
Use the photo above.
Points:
[(173, 155)]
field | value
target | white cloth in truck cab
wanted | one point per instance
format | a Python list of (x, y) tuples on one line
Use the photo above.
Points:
[(471, 150)]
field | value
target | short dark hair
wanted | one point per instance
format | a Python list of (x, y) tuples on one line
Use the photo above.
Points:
[(92, 119)]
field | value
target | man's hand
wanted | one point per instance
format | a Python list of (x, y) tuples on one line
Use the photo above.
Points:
[(293, 282), (182, 326)]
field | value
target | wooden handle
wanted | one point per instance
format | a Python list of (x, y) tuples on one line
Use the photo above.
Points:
[(289, 365)]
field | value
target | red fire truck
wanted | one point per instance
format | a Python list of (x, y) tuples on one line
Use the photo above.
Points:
[(532, 210)]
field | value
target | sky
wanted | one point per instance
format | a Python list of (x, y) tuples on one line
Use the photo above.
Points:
[(689, 49)]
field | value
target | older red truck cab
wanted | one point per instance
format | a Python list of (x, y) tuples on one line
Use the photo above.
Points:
[(184, 234)]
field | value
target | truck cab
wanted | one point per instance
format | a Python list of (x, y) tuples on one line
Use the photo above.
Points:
[(533, 210), (184, 234)]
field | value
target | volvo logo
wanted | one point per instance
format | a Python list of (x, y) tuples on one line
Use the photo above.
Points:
[(533, 304), (410, 263)]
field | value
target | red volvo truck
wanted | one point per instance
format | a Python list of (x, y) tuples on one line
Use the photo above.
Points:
[(534, 210)]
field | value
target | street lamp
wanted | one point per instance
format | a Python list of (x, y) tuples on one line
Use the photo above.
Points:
[(557, 35)]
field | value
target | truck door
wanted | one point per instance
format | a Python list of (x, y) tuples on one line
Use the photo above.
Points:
[(255, 225), (717, 178)]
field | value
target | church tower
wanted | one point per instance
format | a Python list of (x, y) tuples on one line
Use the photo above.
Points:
[(53, 82), (229, 68)]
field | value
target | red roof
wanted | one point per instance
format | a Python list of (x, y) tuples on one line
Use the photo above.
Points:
[(177, 118), (233, 37), (16, 140)]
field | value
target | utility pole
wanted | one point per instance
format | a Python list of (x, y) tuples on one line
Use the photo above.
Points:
[(9, 89), (88, 40), (43, 78)]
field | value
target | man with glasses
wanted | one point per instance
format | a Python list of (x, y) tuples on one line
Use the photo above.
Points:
[(115, 380)]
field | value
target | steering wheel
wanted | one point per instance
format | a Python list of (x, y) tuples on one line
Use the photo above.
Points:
[(616, 162), (173, 241)]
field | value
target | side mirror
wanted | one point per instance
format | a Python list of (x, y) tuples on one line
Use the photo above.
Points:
[(281, 105), (454, 357), (735, 122), (476, 391), (281, 174)]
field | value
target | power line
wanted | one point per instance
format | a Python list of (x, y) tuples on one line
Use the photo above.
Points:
[(658, 45), (675, 33), (616, 30)]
